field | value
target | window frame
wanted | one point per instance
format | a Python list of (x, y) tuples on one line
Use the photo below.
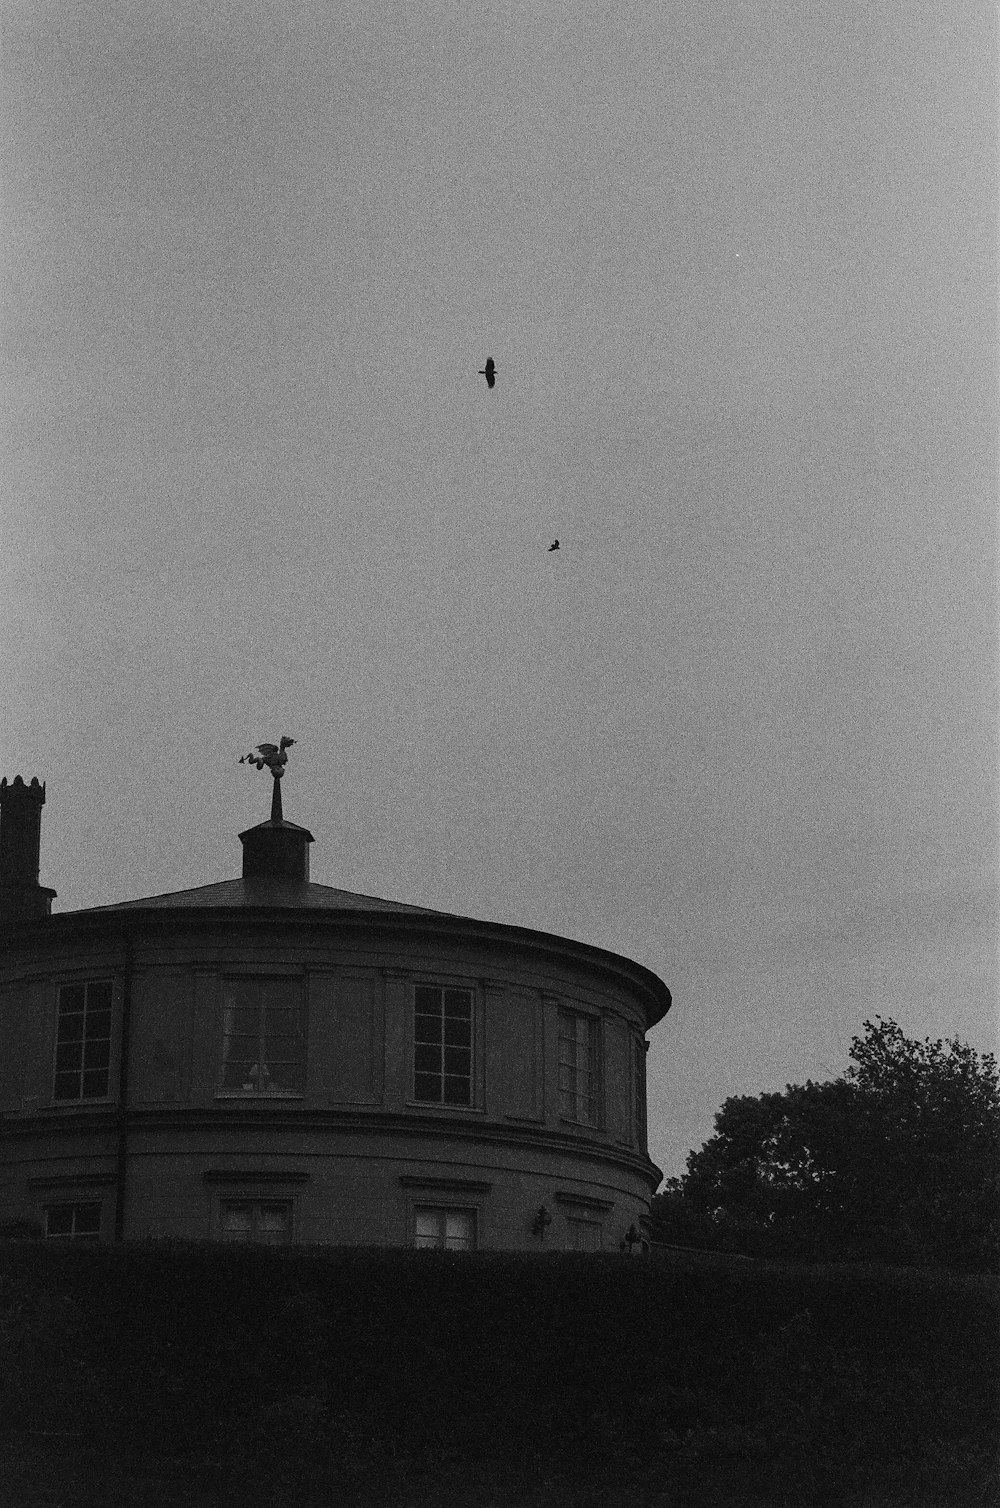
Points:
[(84, 982), (596, 1053), (256, 1202), (75, 1205), (418, 1208), (640, 1108), (437, 1105), (230, 981)]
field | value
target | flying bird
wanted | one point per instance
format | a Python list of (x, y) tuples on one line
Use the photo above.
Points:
[(553, 546), (272, 755), (489, 371)]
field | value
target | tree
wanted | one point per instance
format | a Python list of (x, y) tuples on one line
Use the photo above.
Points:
[(896, 1161)]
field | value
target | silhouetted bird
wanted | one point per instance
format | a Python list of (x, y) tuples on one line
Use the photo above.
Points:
[(553, 546), (489, 371), (272, 755)]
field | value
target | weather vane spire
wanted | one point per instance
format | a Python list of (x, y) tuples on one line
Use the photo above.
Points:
[(275, 757)]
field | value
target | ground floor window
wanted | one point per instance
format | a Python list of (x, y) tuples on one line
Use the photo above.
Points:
[(266, 1221), (585, 1235), (447, 1229), (80, 1222)]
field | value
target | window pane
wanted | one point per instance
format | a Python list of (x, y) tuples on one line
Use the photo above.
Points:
[(427, 1059), (458, 1230), (427, 998), (88, 1220), (427, 1228), (72, 997), (98, 1024), (70, 1028), (99, 995), (69, 1055), (59, 1220), (274, 1223), (458, 1003), (426, 1086), (67, 1086), (97, 1054), (427, 1028), (242, 1020), (290, 1076), (456, 1090), (95, 1084), (457, 1033), (457, 1060), (236, 1221), (281, 1022)]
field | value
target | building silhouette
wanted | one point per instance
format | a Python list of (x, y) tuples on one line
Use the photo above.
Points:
[(273, 1060)]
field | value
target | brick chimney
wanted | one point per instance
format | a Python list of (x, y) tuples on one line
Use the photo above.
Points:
[(22, 899)]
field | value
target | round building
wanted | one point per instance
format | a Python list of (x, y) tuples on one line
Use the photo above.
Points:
[(267, 1059)]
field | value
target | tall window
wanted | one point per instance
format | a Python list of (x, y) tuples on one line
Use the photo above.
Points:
[(639, 1055), (442, 1045), (268, 1222), (578, 1085), (80, 1222), (448, 1230), (83, 1041), (263, 1037)]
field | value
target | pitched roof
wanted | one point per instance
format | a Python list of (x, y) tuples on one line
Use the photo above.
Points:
[(298, 894)]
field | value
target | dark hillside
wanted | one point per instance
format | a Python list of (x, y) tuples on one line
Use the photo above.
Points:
[(355, 1375)]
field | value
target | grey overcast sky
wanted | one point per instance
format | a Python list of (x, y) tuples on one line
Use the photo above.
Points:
[(736, 264)]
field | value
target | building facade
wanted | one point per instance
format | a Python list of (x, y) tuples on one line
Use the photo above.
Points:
[(268, 1059)]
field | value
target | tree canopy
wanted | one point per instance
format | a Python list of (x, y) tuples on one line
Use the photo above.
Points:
[(898, 1160)]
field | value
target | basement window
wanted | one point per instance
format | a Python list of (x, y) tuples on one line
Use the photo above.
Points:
[(266, 1222), (444, 1229), (74, 1222)]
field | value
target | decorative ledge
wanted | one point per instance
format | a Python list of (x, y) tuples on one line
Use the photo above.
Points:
[(65, 1180), (457, 1185), (241, 1175), (584, 1201)]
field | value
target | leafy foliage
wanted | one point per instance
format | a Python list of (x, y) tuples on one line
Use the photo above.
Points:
[(497, 1380), (896, 1161)]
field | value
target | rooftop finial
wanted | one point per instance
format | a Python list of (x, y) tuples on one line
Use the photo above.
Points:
[(274, 756)]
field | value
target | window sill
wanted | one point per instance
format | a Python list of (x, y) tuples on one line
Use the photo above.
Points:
[(102, 1104), (435, 1107), (258, 1094)]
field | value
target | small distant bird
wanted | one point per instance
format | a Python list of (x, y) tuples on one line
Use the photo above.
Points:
[(553, 546), (272, 755), (489, 371)]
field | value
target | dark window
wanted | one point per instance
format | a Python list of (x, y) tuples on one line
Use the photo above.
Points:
[(448, 1230), (265, 1221), (442, 1045), (263, 1037), (640, 1092), (80, 1222), (83, 1041), (578, 1086)]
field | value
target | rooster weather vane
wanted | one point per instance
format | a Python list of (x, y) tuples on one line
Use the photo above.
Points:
[(275, 757)]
